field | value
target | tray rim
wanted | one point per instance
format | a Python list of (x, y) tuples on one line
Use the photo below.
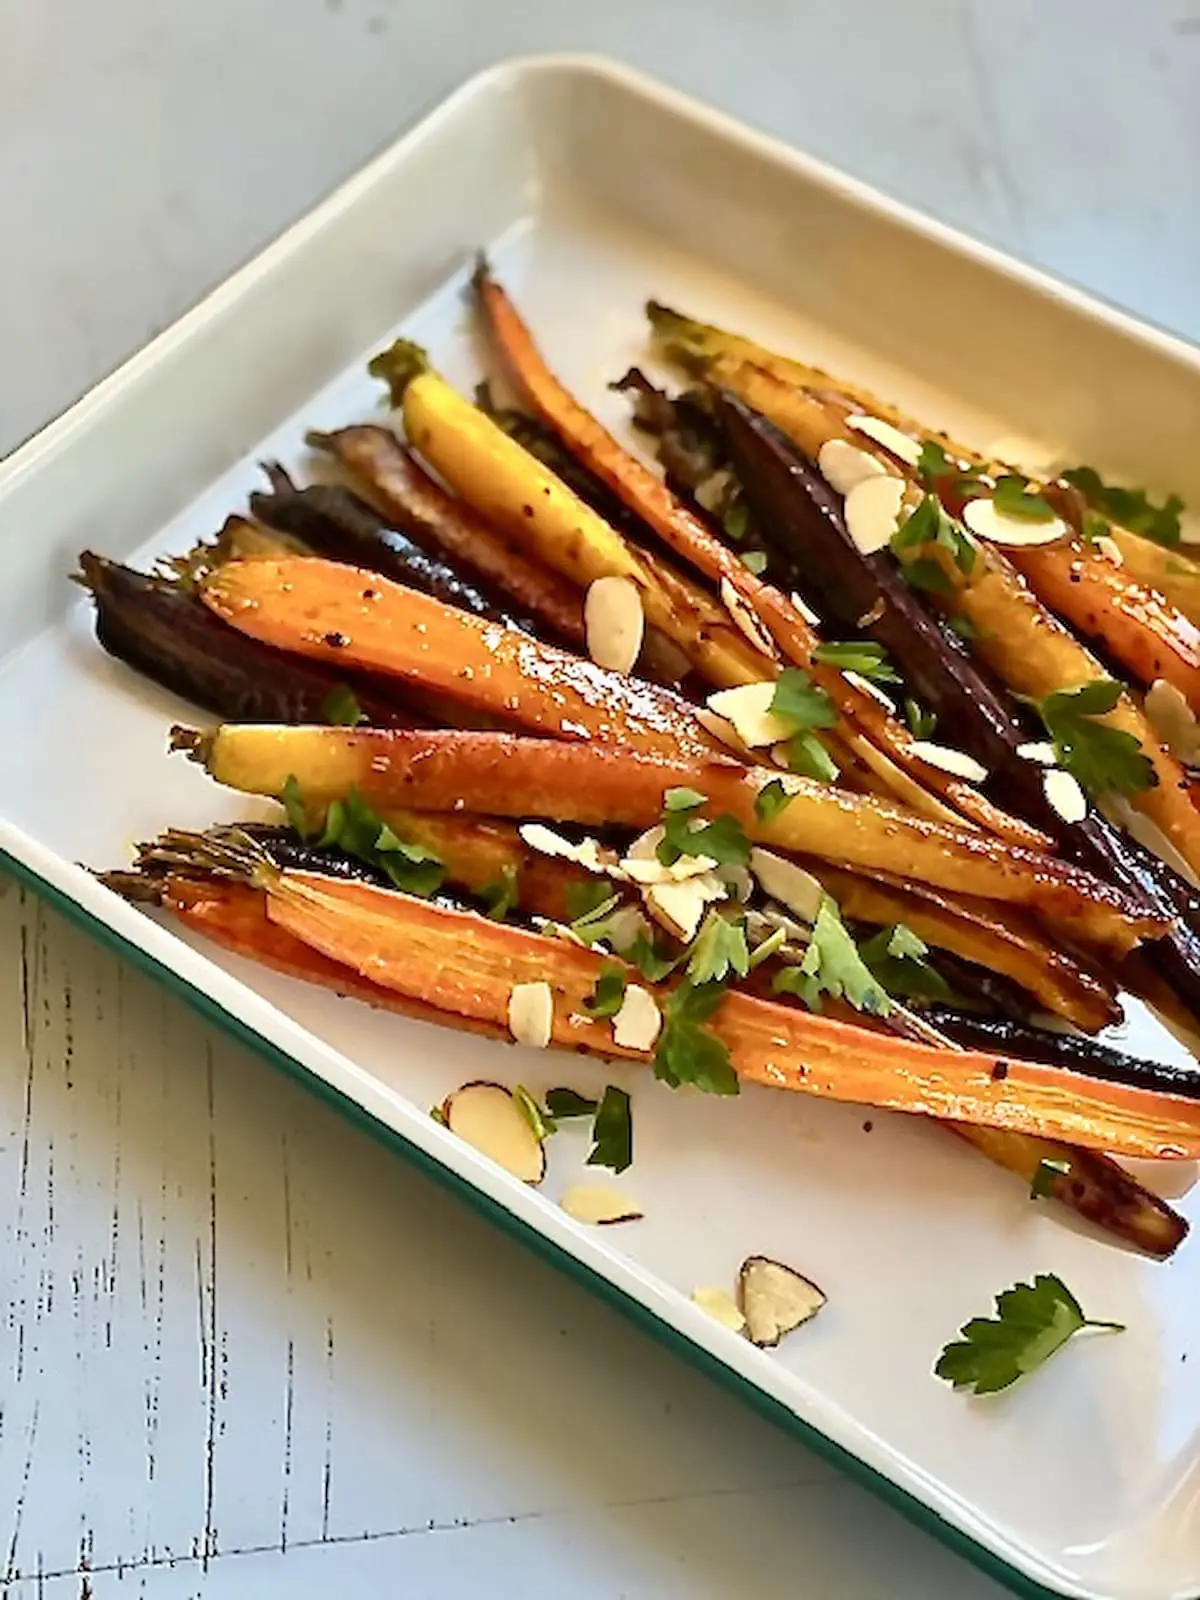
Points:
[(19, 855)]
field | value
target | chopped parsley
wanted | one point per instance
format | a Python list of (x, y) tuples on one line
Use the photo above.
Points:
[(565, 1103), (863, 656), (1102, 759), (802, 703), (650, 961), (832, 965), (353, 827), (501, 897), (1047, 1175), (923, 723), (755, 561), (341, 708), (541, 1124), (607, 998), (808, 757), (1012, 498), (771, 799), (687, 1052), (612, 1132), (1131, 508), (929, 525), (896, 957), (722, 840), (585, 897), (719, 951), (1032, 1321)]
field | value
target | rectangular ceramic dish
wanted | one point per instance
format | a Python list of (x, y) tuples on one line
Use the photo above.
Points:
[(593, 189)]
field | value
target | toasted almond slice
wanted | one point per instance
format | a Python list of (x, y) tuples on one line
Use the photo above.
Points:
[(638, 1023), (1042, 752), (774, 1299), (769, 922), (899, 444), (1139, 826), (873, 513), (865, 686), (805, 610), (487, 1117), (784, 881), (737, 880), (1173, 721), (1065, 795), (1110, 550), (748, 709), (640, 863), (587, 853), (844, 466), (615, 623), (746, 620), (957, 762), (721, 1306), (531, 1014), (724, 731), (983, 519), (598, 1207), (679, 907)]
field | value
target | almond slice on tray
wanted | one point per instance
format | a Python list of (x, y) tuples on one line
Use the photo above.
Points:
[(598, 1206), (774, 1299), (488, 1118)]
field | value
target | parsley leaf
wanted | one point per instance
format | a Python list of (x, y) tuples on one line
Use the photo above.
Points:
[(896, 957), (612, 1132), (863, 656), (736, 521), (771, 799), (808, 757), (922, 722), (353, 827), (929, 524), (723, 839), (541, 1124), (963, 627), (1012, 498), (564, 1103), (293, 803), (719, 951), (933, 461), (801, 703), (832, 965), (1033, 1320), (584, 898), (1132, 508), (755, 560), (683, 800), (1101, 758), (686, 1052), (1044, 1179), (607, 998), (649, 959), (501, 897), (927, 575), (341, 708)]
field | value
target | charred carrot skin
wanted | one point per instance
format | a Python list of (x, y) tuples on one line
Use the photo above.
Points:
[(400, 488), (876, 736), (461, 964), (335, 613), (507, 775)]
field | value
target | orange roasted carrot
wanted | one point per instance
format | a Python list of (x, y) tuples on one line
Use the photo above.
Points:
[(1134, 625), (403, 491), (460, 963), (875, 736), (340, 614), (508, 775)]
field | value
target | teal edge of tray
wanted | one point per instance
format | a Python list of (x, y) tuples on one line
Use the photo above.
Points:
[(899, 1499)]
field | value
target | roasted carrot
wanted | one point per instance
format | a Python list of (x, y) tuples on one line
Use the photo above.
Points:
[(1175, 573), (1134, 626), (400, 488), (598, 786), (875, 737), (462, 964), (336, 613)]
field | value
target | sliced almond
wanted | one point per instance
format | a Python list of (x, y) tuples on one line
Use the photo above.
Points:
[(680, 907), (775, 1299), (1064, 795), (589, 853), (805, 610), (748, 709), (956, 762), (640, 863), (722, 730), (844, 466), (898, 444), (1139, 826), (638, 1023), (873, 513), (764, 924), (721, 1306), (531, 1014), (487, 1117), (983, 519), (736, 879), (744, 617), (615, 623), (1041, 752), (865, 686), (1173, 721), (1110, 550), (598, 1207), (784, 881)]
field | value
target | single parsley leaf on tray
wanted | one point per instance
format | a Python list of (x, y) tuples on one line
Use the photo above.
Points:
[(612, 1132), (1032, 1321), (564, 1103)]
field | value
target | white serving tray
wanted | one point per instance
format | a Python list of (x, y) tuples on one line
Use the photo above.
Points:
[(593, 189)]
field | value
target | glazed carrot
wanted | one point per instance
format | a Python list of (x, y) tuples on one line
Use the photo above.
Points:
[(1175, 573), (600, 786), (337, 613), (875, 736), (400, 488), (462, 964), (1134, 626)]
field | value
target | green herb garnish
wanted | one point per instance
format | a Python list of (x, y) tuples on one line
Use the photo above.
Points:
[(927, 575), (607, 998), (964, 628), (353, 827), (1044, 1179), (540, 1122), (923, 723), (933, 462), (293, 803), (863, 656), (809, 758), (722, 840), (719, 951), (1131, 508), (896, 956), (612, 1132), (832, 965), (771, 799), (755, 561), (929, 524), (585, 898), (341, 708), (736, 521), (501, 897), (565, 1103), (1012, 498), (687, 1052), (1102, 759), (650, 961), (1032, 1321), (802, 703)]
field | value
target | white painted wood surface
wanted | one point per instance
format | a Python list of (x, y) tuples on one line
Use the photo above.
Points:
[(243, 1347)]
